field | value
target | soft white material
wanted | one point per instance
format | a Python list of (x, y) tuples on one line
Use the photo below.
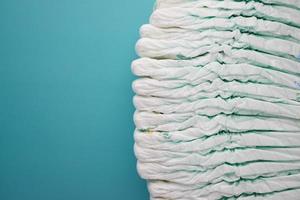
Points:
[(218, 100)]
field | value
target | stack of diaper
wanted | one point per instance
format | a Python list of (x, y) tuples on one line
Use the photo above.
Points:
[(218, 100)]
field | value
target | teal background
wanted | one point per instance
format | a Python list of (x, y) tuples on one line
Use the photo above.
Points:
[(66, 128)]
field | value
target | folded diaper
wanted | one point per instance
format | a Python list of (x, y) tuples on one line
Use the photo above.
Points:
[(218, 100)]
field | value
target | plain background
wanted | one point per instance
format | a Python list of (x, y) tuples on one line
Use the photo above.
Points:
[(66, 128)]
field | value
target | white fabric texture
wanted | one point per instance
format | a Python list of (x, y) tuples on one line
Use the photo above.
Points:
[(218, 100)]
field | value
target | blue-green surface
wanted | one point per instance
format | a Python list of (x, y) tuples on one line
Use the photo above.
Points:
[(66, 128)]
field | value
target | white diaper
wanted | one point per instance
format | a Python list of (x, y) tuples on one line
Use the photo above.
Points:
[(218, 100)]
